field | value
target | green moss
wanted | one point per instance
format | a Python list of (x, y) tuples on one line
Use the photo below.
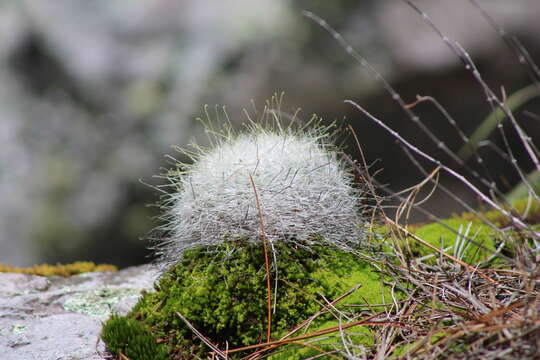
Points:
[(527, 208), (222, 292), (485, 239), (133, 339), (443, 236), (488, 239), (65, 270)]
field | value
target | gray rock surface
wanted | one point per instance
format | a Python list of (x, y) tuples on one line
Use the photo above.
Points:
[(60, 318)]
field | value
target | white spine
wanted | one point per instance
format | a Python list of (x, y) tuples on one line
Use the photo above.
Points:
[(304, 190)]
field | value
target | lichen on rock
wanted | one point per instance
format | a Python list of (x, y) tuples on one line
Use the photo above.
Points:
[(99, 301)]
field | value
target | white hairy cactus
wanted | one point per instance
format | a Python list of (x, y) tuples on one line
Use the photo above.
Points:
[(305, 192)]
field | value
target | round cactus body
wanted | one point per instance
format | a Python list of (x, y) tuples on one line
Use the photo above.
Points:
[(304, 192)]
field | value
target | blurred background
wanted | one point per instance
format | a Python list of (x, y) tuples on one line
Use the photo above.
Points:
[(94, 93)]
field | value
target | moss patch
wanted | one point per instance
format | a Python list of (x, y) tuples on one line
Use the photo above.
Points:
[(222, 292), (444, 235), (66, 270), (485, 240), (132, 339), (528, 209)]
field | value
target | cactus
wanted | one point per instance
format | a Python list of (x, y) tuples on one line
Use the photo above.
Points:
[(305, 191)]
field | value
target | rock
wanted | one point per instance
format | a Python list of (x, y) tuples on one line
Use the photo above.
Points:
[(60, 318)]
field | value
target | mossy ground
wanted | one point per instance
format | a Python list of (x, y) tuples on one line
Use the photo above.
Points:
[(223, 294), (65, 270), (477, 244), (480, 242)]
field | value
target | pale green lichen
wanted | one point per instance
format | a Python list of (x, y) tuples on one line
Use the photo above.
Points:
[(18, 329), (98, 302)]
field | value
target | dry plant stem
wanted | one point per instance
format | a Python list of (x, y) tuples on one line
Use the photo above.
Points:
[(202, 337), (513, 43), (488, 312), (416, 119), (406, 200), (365, 175), (443, 188), (316, 348), (393, 93), (470, 148), (469, 65), (505, 308), (527, 143), (365, 322), (266, 262), (452, 172), (307, 321), (464, 264), (410, 201), (464, 56), (483, 131)]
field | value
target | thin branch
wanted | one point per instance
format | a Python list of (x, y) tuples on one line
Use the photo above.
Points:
[(364, 322), (452, 172), (425, 243), (202, 337)]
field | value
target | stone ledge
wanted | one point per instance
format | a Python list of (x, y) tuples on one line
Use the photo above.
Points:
[(60, 318)]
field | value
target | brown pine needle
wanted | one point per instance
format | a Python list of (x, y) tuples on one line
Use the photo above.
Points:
[(267, 265), (367, 321), (425, 243), (202, 337)]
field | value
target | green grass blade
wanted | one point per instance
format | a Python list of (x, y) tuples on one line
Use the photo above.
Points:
[(517, 99)]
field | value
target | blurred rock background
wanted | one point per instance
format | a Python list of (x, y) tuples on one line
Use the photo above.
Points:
[(94, 93)]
